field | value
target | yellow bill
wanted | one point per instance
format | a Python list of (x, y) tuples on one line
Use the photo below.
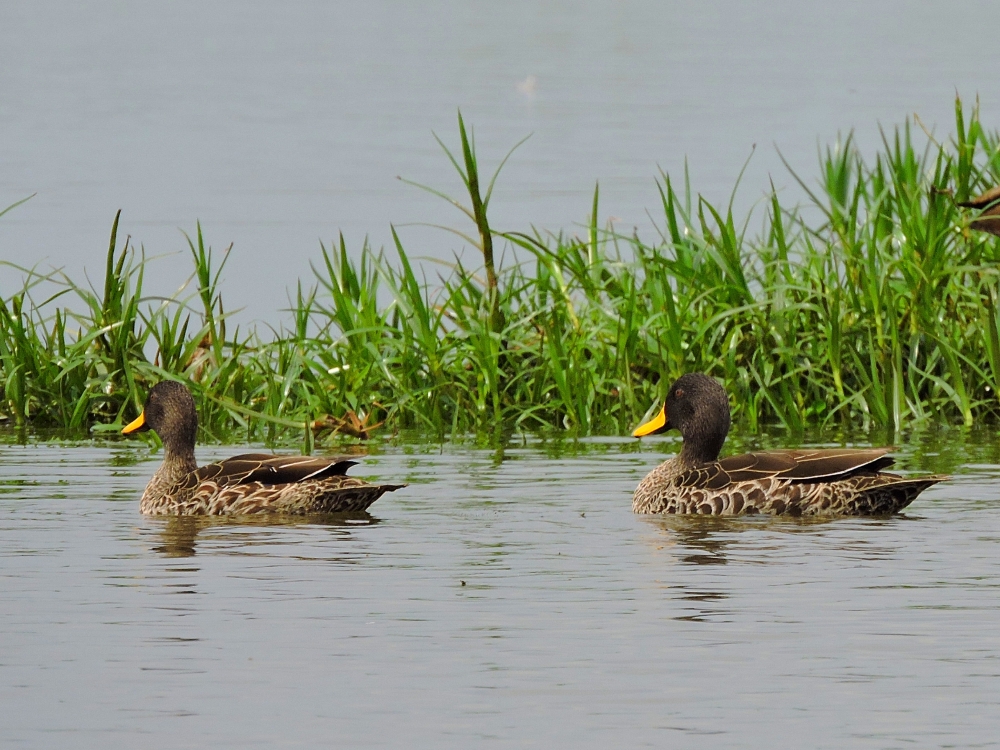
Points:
[(135, 425), (656, 424)]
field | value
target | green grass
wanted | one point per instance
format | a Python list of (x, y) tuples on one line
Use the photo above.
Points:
[(871, 305)]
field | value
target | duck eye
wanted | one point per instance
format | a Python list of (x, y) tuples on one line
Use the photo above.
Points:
[(679, 392)]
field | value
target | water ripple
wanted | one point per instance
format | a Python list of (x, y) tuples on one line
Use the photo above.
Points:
[(511, 601)]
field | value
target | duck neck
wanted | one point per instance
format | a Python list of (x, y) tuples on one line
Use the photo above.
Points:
[(691, 457), (703, 443), (177, 463)]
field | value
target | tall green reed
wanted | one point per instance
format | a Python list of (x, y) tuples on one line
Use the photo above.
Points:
[(872, 302)]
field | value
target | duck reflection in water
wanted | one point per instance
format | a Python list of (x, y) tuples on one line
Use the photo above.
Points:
[(178, 536), (702, 540), (702, 543)]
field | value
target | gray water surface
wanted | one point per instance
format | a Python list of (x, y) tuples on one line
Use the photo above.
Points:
[(578, 624)]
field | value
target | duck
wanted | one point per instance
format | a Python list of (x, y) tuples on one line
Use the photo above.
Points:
[(247, 484), (811, 482)]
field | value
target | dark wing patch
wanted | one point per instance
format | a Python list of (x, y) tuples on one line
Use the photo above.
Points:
[(268, 470), (806, 465), (982, 201), (987, 221), (289, 469), (831, 464)]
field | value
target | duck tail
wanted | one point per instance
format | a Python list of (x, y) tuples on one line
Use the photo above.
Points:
[(894, 497)]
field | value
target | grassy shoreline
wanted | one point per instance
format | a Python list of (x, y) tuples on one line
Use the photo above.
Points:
[(879, 312)]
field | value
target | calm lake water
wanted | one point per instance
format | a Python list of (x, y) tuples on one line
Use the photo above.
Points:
[(279, 124), (500, 603)]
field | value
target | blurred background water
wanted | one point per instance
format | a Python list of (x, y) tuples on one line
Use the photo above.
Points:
[(278, 125)]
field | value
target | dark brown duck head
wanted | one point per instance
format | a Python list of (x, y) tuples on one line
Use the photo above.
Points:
[(171, 414), (697, 406)]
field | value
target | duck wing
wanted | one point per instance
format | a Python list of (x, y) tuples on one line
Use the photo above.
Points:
[(982, 201), (825, 464), (821, 465), (268, 469), (988, 220)]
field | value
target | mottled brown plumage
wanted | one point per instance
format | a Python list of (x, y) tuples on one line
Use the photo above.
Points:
[(839, 481), (250, 483)]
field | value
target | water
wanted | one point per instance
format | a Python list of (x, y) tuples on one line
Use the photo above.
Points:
[(278, 125), (495, 603)]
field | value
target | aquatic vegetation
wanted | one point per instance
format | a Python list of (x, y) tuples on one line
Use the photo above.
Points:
[(872, 303)]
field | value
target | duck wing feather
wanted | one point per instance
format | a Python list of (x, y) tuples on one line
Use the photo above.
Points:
[(824, 464), (982, 201), (821, 465), (267, 469), (988, 220)]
